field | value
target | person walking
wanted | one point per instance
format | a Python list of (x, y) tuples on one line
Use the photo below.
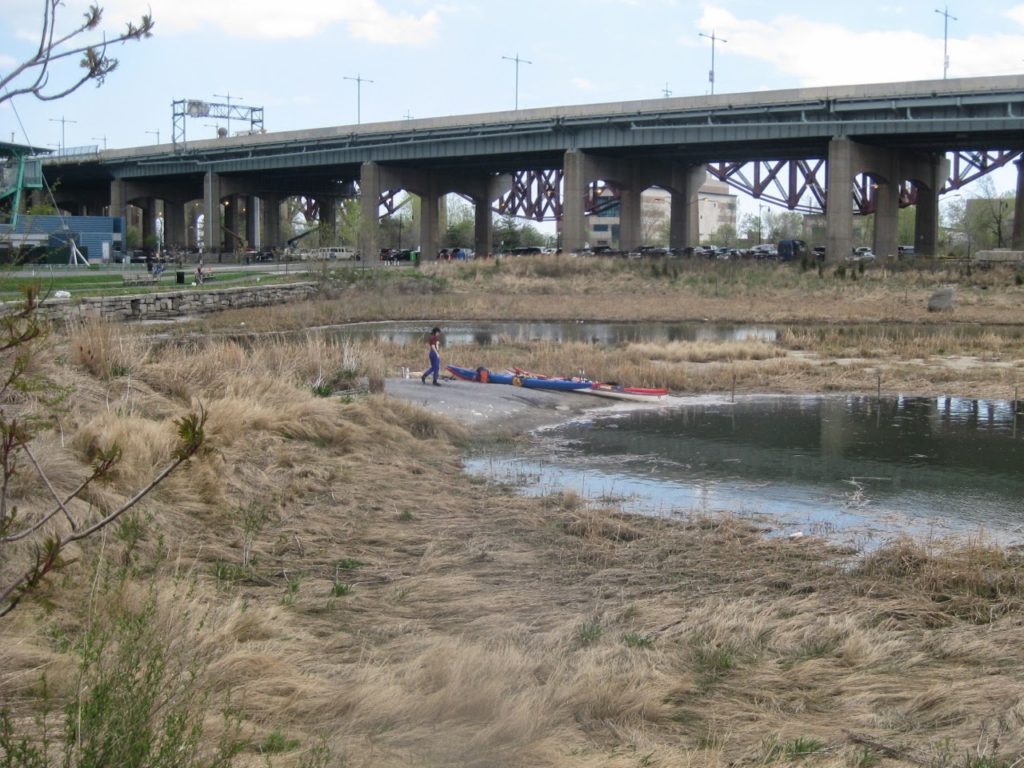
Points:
[(435, 358)]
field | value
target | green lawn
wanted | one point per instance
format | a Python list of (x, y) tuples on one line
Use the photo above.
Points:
[(108, 281)]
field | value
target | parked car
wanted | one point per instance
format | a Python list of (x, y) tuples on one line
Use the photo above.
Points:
[(652, 251), (862, 253), (819, 252), (904, 250)]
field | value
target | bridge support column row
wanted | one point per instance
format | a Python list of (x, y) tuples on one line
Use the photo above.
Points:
[(887, 169), (632, 177), (431, 187)]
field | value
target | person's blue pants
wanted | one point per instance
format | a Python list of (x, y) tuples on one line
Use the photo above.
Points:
[(435, 366)]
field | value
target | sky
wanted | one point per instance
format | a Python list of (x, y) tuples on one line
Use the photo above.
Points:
[(429, 58)]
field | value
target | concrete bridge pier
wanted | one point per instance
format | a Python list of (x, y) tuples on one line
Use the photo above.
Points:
[(684, 218), (1017, 242), (211, 212), (175, 236), (373, 180), (431, 186), (839, 205), (930, 176), (632, 177), (580, 171), (119, 200), (270, 221), (233, 231), (887, 208), (370, 188), (574, 199)]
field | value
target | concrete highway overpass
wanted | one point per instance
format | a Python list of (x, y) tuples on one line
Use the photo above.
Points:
[(892, 133)]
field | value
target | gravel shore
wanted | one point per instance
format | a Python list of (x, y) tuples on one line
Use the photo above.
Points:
[(498, 407)]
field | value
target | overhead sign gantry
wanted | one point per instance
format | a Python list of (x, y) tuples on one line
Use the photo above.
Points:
[(185, 108)]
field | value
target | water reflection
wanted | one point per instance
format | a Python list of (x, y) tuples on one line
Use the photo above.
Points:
[(847, 466), (487, 334)]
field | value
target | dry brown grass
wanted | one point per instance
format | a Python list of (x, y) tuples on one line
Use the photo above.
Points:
[(354, 585), (834, 340)]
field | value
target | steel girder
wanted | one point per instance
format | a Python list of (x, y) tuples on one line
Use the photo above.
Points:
[(535, 195)]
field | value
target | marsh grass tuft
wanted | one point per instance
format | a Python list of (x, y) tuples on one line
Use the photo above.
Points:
[(276, 743), (637, 640), (976, 581), (340, 589), (794, 749), (589, 632)]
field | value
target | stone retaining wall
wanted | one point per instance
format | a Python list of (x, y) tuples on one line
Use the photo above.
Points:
[(168, 305)]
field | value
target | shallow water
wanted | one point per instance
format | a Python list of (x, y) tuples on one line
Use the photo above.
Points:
[(855, 469)]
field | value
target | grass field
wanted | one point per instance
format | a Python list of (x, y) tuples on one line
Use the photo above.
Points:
[(110, 281)]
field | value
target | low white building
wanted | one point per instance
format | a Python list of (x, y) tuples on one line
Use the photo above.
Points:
[(716, 207)]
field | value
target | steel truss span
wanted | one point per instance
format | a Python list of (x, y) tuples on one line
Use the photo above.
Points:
[(799, 185)]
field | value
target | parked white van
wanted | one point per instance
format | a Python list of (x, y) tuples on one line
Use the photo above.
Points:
[(332, 253)]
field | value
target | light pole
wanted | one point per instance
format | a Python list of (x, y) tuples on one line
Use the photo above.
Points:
[(518, 61), (665, 91), (62, 122), (228, 97), (359, 80), (945, 38), (100, 138), (155, 133), (760, 216), (711, 74)]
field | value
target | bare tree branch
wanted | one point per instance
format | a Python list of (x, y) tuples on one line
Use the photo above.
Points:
[(191, 431), (39, 470), (32, 76)]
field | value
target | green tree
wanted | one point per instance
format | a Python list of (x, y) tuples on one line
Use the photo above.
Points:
[(350, 219), (507, 233), (907, 225), (725, 235), (784, 225), (991, 215), (461, 231), (751, 228)]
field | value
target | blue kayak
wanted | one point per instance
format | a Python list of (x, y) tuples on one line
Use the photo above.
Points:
[(485, 376)]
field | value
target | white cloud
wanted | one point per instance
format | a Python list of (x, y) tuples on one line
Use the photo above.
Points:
[(822, 54), (582, 84), (272, 19), (1016, 14)]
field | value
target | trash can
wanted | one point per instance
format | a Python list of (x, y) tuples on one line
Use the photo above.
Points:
[(180, 277)]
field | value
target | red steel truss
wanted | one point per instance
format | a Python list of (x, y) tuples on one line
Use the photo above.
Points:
[(798, 185)]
